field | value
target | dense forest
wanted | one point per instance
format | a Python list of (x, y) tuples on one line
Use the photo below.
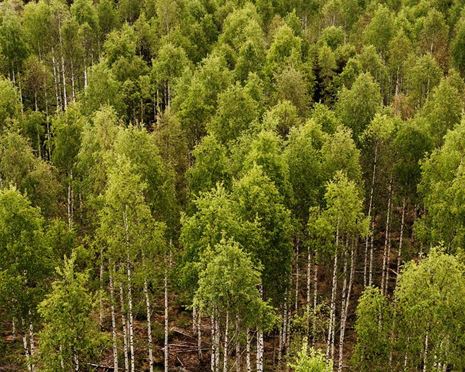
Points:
[(232, 185)]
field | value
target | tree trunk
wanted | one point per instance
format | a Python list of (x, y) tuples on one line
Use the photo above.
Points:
[(199, 335), (125, 328), (100, 297), (315, 296), (425, 354), (260, 344), (31, 342), (226, 342), (166, 328), (26, 349), (297, 274), (213, 351), (149, 325), (113, 322), (130, 313), (70, 199), (247, 351), (345, 309), (259, 351), (386, 242), (309, 283), (370, 206), (63, 72), (332, 316), (55, 80), (401, 239), (238, 346), (73, 91)]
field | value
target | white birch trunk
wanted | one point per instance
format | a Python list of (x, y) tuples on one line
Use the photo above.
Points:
[(26, 349), (125, 329), (55, 79), (345, 309), (113, 322), (238, 346), (332, 316), (166, 328), (217, 343), (370, 206), (260, 344), (100, 297), (213, 349), (199, 335), (130, 315), (309, 284), (401, 239), (226, 343), (31, 342), (259, 351), (297, 274), (315, 295), (247, 351), (386, 242), (149, 325)]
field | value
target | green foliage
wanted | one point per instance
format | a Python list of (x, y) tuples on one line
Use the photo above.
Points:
[(441, 187), (70, 334), (357, 106), (26, 261), (372, 328), (429, 296), (9, 103), (310, 361), (228, 282)]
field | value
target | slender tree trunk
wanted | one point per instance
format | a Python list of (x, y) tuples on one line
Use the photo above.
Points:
[(13, 328), (345, 309), (166, 330), (100, 299), (386, 242), (315, 296), (70, 199), (113, 321), (73, 92), (297, 274), (26, 348), (125, 328), (55, 79), (130, 314), (199, 335), (149, 325), (259, 351), (238, 346), (76, 361), (247, 351), (20, 94), (309, 284), (425, 354), (260, 344), (63, 72), (129, 287), (217, 341), (226, 342), (213, 351), (85, 77), (31, 342), (401, 239), (62, 362), (280, 342), (332, 316), (370, 207)]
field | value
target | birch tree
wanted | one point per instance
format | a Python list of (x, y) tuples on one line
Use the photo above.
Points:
[(70, 338)]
